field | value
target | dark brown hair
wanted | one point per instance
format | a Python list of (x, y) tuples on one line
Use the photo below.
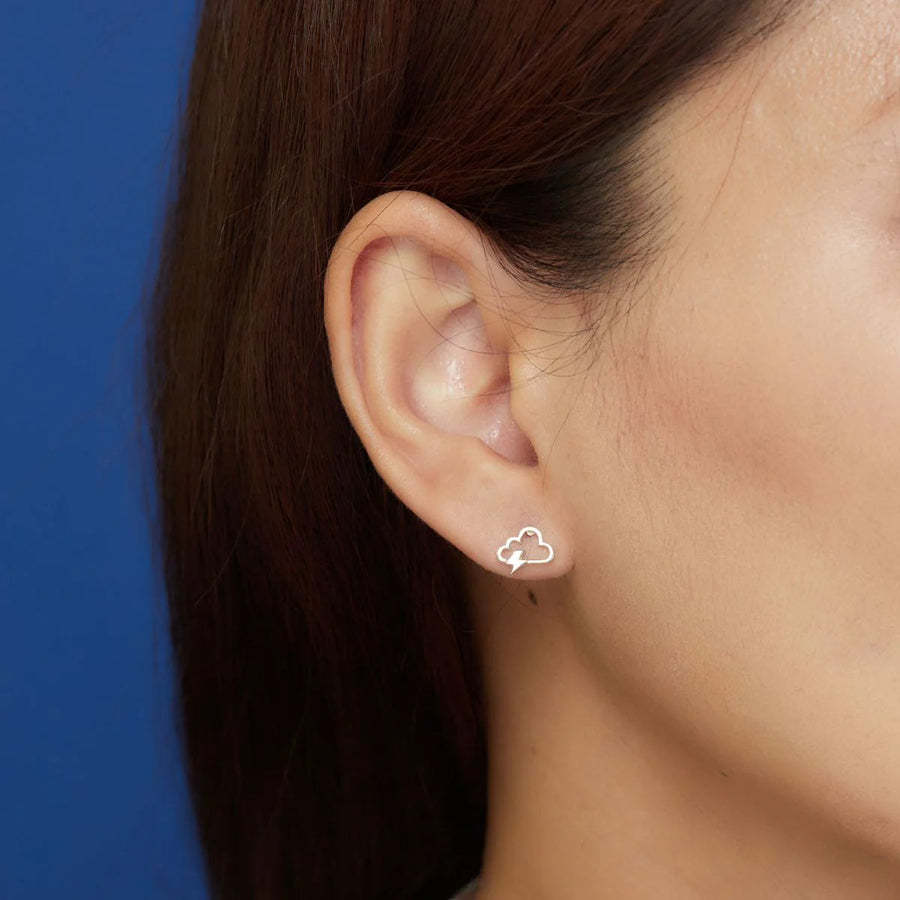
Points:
[(329, 695)]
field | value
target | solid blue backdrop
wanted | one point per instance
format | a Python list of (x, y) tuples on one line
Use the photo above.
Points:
[(92, 797)]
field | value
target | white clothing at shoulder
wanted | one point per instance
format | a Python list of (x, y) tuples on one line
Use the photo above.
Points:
[(467, 891)]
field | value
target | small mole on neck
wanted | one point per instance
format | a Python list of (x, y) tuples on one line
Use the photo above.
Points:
[(532, 598)]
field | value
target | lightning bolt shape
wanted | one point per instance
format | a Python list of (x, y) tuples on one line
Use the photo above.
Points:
[(516, 561)]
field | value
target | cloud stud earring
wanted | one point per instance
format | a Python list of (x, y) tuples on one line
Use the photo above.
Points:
[(512, 552)]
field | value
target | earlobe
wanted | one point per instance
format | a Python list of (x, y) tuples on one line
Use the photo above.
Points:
[(422, 365)]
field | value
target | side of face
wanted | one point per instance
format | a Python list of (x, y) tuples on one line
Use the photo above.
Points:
[(720, 484), (735, 462)]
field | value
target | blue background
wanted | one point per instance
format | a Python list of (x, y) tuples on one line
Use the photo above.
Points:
[(92, 800)]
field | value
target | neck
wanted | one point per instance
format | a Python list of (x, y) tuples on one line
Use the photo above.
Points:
[(592, 793)]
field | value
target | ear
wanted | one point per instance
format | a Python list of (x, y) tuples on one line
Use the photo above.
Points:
[(441, 389)]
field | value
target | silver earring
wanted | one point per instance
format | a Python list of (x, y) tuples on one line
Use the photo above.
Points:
[(513, 555)]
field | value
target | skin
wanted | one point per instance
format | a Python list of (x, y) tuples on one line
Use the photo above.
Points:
[(702, 699)]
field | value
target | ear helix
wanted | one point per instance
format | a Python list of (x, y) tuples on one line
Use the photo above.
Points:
[(515, 553)]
